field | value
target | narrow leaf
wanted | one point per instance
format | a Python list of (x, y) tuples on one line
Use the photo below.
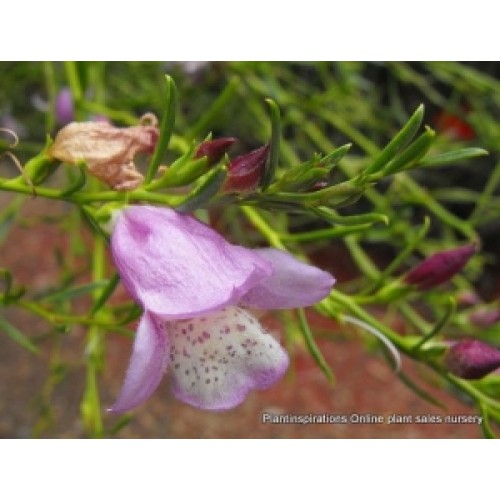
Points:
[(166, 128), (212, 113), (452, 157), (313, 347), (402, 138), (274, 144), (209, 187), (419, 391), (106, 293), (72, 293), (17, 336), (411, 154)]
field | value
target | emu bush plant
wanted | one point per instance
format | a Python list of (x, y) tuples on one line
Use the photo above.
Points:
[(326, 154)]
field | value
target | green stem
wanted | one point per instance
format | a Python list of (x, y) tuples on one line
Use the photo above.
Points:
[(313, 347), (439, 325), (79, 198), (439, 211), (50, 83), (486, 194), (74, 82), (258, 221), (361, 258), (91, 405), (325, 234)]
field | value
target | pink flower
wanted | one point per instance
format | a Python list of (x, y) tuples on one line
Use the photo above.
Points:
[(194, 287)]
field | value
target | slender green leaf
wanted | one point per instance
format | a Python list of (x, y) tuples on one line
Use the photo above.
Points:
[(400, 258), (450, 309), (349, 220), (8, 216), (419, 391), (212, 113), (331, 159), (274, 143), (313, 347), (485, 424), (326, 234), (208, 188), (73, 293), (106, 293), (17, 336), (166, 128), (452, 157), (412, 154), (401, 139)]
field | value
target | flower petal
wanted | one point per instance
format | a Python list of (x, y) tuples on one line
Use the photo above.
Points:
[(293, 284), (177, 267), (217, 360), (147, 365)]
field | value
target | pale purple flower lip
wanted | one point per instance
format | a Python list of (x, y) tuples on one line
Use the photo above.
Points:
[(193, 286)]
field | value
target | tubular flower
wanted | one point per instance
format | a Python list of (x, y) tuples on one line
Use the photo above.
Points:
[(194, 288)]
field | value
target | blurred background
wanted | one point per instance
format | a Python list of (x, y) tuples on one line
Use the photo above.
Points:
[(324, 105)]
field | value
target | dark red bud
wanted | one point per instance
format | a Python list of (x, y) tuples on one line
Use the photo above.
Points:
[(472, 359), (439, 268), (245, 172), (484, 318), (214, 150)]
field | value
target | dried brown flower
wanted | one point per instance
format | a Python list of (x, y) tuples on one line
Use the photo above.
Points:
[(108, 151)]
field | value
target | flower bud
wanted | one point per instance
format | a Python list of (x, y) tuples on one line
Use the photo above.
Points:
[(468, 298), (484, 318), (64, 107), (214, 150), (245, 172), (472, 359), (439, 268)]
